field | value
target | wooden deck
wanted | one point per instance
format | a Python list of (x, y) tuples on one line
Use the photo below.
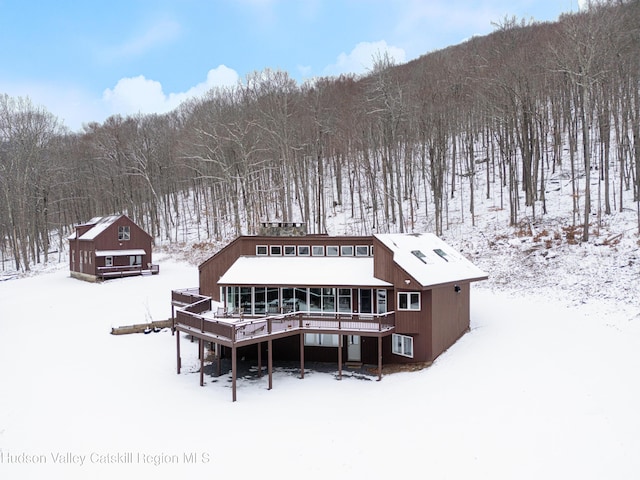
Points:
[(192, 314), (127, 271), (195, 317)]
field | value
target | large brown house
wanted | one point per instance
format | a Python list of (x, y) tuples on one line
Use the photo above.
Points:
[(107, 247), (386, 298)]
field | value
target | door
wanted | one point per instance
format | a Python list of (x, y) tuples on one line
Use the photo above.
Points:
[(353, 348)]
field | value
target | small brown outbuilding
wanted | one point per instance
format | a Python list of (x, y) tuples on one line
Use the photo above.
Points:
[(107, 247)]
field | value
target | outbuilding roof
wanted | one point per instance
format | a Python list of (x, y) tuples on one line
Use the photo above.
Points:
[(302, 271), (429, 260), (100, 224)]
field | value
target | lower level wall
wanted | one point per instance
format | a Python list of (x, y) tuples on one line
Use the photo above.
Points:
[(84, 276)]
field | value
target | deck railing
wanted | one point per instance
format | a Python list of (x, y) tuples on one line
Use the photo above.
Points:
[(236, 328), (125, 270)]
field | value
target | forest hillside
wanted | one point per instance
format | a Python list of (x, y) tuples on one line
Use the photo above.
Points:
[(499, 122)]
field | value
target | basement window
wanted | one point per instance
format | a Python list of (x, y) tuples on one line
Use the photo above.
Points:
[(402, 345), (261, 250), (321, 340)]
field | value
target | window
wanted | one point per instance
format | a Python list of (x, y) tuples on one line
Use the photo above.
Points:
[(362, 250), (321, 340), (346, 250), (382, 301), (332, 251), (261, 250), (303, 250), (420, 255), (408, 300), (124, 232), (290, 250), (276, 250), (344, 300), (441, 253), (108, 261), (402, 345), (135, 260), (317, 251)]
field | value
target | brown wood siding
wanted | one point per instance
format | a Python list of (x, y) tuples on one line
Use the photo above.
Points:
[(450, 316), (108, 240), (383, 265), (418, 325), (213, 268)]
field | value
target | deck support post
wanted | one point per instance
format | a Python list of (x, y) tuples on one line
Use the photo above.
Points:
[(379, 358), (218, 359), (302, 355), (233, 372), (259, 359), (340, 357), (270, 362), (178, 352), (173, 320), (201, 354)]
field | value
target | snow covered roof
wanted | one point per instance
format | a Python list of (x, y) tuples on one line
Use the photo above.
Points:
[(99, 225), (322, 271), (429, 260), (119, 253)]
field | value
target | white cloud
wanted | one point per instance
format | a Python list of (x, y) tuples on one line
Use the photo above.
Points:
[(361, 59), (142, 95)]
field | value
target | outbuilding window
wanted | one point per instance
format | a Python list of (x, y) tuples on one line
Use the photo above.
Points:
[(408, 300), (124, 233), (402, 345)]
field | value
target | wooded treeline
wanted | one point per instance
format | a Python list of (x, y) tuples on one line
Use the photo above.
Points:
[(496, 116)]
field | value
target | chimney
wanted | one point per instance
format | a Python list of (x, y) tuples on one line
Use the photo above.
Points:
[(283, 229)]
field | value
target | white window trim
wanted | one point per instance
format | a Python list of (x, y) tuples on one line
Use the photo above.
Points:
[(266, 250), (290, 247), (321, 340), (124, 233), (317, 254), (406, 341), (361, 247), (409, 303), (275, 250), (346, 250), (301, 254), (332, 251)]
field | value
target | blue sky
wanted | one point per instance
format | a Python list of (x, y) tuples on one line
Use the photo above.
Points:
[(86, 60)]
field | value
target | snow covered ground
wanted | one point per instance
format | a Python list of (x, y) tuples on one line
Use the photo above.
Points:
[(545, 385)]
